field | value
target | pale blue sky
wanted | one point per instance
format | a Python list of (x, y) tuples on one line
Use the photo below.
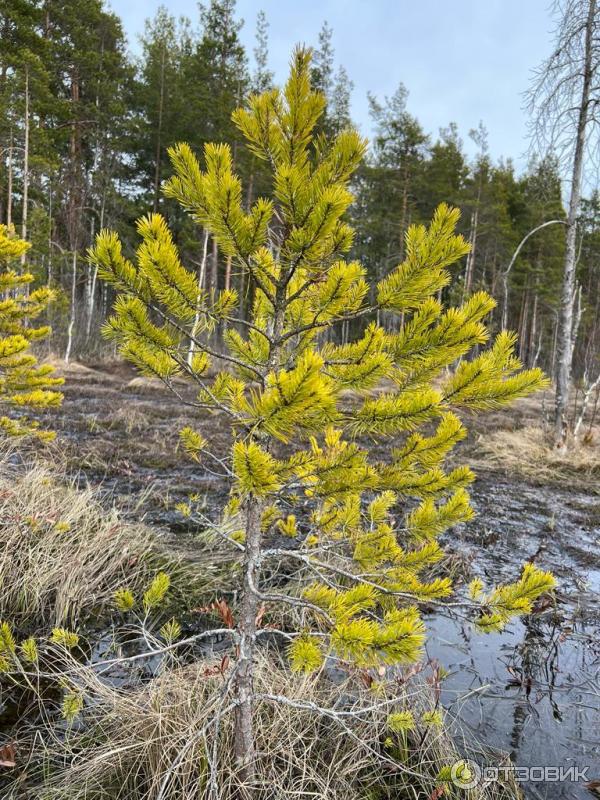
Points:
[(464, 61)]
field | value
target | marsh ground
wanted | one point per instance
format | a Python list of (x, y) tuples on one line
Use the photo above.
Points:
[(534, 690)]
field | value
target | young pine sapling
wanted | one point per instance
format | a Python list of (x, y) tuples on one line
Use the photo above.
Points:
[(304, 409), (23, 384)]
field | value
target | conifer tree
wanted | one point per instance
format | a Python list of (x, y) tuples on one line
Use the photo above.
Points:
[(363, 528), (400, 146), (159, 98), (262, 77), (23, 383)]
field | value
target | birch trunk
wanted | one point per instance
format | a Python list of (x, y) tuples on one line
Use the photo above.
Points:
[(72, 314), (201, 273), (470, 265), (515, 255), (587, 395)]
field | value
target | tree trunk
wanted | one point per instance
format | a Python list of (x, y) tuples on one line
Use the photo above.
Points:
[(214, 278), (201, 273), (404, 217), (72, 314), (587, 394), (470, 266), (506, 272), (90, 282), (565, 330), (159, 130), (533, 332), (228, 274), (49, 232), (91, 306), (25, 167), (524, 324), (244, 724), (10, 182), (244, 735)]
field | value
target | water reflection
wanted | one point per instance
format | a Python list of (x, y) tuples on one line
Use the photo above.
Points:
[(538, 682)]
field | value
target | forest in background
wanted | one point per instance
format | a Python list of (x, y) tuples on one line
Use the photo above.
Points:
[(84, 133)]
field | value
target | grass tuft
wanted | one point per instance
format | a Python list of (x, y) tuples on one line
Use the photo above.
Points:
[(529, 452), (157, 741), (64, 554)]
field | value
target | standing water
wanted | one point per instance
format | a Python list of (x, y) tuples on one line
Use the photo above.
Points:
[(534, 689)]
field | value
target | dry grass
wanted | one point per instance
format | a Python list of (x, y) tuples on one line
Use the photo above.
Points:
[(156, 742), (64, 553), (529, 452), (144, 385)]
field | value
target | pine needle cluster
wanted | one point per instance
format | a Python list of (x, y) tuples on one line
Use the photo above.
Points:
[(305, 404)]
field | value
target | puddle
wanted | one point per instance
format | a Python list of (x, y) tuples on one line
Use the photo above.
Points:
[(536, 686)]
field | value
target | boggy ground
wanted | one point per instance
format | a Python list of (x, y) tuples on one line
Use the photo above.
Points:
[(533, 690)]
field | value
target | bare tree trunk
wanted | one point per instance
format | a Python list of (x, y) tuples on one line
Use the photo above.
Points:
[(201, 273), (49, 232), (159, 129), (524, 324), (554, 347), (25, 166), (244, 736), (533, 332), (91, 304), (90, 287), (587, 395), (470, 265), (515, 255), (565, 331), (72, 313), (228, 273), (594, 412), (538, 351), (214, 278), (404, 218), (10, 182)]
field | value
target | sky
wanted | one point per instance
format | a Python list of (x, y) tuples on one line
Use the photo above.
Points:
[(464, 61)]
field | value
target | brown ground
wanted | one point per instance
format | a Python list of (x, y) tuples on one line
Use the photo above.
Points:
[(116, 424)]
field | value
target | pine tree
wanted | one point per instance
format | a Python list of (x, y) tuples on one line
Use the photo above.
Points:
[(219, 71), (340, 101), (262, 77), (400, 146), (23, 384), (322, 63), (159, 100), (363, 529), (444, 172)]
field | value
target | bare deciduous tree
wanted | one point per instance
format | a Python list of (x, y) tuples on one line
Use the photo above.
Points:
[(565, 102)]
